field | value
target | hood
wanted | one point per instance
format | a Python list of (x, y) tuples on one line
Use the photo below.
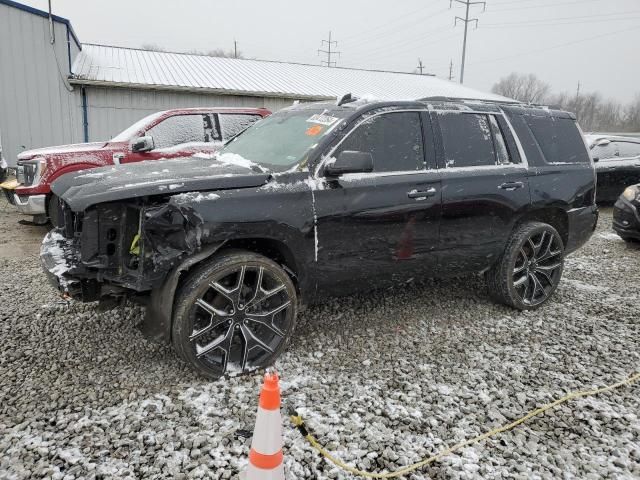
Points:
[(61, 150), (85, 188)]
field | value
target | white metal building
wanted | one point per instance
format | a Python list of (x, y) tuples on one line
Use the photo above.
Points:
[(55, 90)]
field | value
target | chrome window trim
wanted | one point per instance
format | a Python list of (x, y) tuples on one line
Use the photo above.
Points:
[(399, 173), (523, 165), (516, 166), (523, 156)]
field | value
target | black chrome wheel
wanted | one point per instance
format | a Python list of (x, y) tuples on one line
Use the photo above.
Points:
[(538, 267), (235, 315), (529, 270)]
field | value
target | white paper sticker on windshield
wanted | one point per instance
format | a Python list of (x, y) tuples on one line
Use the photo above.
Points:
[(322, 119)]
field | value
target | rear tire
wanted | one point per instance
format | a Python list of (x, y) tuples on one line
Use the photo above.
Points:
[(530, 268), (236, 313)]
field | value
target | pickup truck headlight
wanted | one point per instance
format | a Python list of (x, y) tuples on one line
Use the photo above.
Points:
[(30, 172), (631, 193)]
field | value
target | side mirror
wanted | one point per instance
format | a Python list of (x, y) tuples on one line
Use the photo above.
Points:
[(142, 144), (350, 162)]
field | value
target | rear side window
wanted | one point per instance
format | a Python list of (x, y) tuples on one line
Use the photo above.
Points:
[(181, 129), (604, 152), (628, 149), (466, 139), (558, 138), (234, 123), (393, 139)]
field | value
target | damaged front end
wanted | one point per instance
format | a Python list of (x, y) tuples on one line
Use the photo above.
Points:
[(119, 249)]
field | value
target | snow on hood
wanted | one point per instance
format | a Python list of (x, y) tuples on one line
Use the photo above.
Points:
[(61, 149), (199, 173), (235, 159)]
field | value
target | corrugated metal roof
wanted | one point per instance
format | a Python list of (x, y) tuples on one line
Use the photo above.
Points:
[(118, 66)]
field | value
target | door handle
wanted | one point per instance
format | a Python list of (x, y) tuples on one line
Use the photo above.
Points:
[(422, 194), (510, 186)]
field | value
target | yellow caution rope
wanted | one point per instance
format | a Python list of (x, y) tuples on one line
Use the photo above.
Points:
[(300, 425)]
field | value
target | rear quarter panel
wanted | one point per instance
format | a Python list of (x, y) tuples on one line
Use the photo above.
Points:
[(560, 183)]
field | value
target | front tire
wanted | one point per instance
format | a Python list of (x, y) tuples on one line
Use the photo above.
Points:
[(529, 271), (53, 211), (234, 314)]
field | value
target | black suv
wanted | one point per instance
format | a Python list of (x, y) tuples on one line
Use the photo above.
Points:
[(325, 199)]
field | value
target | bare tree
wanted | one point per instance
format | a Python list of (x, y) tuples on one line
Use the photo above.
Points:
[(610, 116), (593, 113), (526, 88), (632, 115), (153, 47), (219, 52), (216, 52)]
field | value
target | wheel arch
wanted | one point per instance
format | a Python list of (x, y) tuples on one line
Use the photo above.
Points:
[(555, 216), (158, 318)]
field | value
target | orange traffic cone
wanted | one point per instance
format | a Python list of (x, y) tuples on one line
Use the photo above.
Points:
[(265, 457)]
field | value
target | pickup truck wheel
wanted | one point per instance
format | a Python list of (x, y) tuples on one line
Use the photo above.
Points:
[(530, 269), (234, 314), (53, 210)]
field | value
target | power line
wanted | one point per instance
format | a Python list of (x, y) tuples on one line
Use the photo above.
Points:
[(379, 56), (394, 46), (555, 4), (466, 20), (494, 26), (565, 44), (328, 51), (394, 30), (386, 25), (600, 16)]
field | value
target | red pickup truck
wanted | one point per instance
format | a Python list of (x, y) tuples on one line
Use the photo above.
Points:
[(168, 134)]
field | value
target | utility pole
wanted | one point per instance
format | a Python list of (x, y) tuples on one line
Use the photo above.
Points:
[(420, 66), (235, 48), (466, 20), (52, 32), (451, 70), (328, 62), (578, 92)]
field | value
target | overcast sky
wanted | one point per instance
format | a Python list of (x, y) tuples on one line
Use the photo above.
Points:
[(594, 42)]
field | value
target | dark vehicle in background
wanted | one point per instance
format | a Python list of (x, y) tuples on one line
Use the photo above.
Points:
[(168, 134), (617, 161), (328, 199), (626, 214)]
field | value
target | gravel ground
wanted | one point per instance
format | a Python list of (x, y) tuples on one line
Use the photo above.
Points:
[(383, 380)]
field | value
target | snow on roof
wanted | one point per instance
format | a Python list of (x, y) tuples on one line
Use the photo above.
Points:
[(118, 66)]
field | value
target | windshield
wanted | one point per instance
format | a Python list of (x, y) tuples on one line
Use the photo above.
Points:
[(126, 135), (284, 139)]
